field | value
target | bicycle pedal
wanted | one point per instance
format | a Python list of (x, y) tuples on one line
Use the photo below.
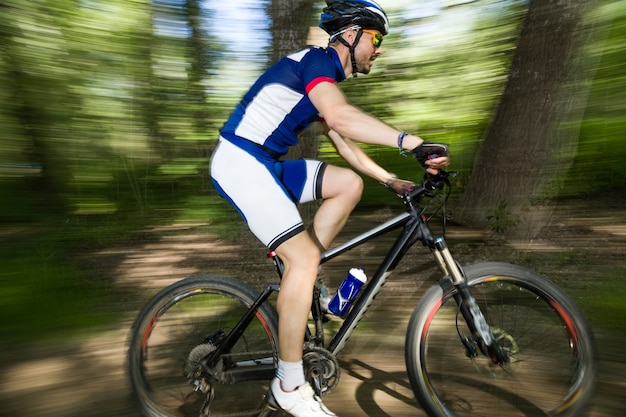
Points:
[(271, 401)]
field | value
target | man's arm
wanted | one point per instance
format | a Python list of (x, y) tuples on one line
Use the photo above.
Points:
[(358, 159), (350, 122)]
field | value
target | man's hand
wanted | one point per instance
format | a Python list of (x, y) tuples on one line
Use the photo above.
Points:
[(399, 186), (432, 156)]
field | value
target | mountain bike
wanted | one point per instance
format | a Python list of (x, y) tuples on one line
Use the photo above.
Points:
[(491, 339)]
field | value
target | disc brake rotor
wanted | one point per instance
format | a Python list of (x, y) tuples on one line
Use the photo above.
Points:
[(507, 343)]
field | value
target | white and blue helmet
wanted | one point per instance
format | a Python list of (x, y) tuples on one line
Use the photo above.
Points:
[(366, 14)]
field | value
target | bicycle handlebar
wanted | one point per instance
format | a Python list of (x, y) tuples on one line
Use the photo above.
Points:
[(411, 191), (433, 182)]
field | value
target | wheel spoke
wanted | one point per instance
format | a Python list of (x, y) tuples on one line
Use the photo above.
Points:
[(550, 373), (176, 334)]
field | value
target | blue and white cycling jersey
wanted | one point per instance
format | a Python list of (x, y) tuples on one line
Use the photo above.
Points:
[(276, 108), (245, 166)]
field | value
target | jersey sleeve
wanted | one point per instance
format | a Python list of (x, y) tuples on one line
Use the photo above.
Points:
[(317, 68)]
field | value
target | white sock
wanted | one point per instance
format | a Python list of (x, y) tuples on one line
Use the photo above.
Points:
[(291, 375)]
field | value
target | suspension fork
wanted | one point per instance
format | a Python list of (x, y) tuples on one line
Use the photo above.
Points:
[(468, 307)]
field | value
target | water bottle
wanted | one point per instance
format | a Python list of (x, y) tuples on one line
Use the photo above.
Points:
[(347, 292)]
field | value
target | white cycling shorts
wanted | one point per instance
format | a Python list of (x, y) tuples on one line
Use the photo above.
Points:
[(265, 191)]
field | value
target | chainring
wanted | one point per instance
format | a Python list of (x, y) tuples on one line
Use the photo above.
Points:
[(321, 369)]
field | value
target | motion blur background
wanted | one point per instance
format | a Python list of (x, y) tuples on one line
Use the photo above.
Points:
[(109, 110)]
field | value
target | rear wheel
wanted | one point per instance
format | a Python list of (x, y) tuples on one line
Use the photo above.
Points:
[(175, 333), (552, 358)]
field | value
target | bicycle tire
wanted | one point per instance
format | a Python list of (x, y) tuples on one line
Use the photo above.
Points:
[(551, 348), (169, 337)]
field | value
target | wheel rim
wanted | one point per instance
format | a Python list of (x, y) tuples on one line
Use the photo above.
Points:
[(549, 365), (175, 332)]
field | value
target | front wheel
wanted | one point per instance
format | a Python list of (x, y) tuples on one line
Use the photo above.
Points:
[(550, 346), (180, 328)]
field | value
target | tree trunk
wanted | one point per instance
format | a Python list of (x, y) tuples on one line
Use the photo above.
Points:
[(41, 124), (290, 28), (200, 59), (525, 152)]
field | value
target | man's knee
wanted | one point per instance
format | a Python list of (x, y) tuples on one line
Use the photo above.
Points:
[(300, 252), (353, 187), (358, 183)]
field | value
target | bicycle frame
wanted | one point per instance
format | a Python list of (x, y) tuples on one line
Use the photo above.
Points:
[(414, 228)]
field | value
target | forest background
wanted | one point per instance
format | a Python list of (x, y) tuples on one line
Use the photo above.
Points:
[(109, 111)]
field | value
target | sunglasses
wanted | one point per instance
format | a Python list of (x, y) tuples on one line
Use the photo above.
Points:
[(377, 37)]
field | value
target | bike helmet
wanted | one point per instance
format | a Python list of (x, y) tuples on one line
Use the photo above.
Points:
[(363, 14), (366, 14)]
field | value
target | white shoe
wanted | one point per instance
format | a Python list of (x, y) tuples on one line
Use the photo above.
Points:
[(299, 403)]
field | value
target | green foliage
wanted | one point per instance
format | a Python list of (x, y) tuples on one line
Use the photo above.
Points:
[(44, 291), (598, 164), (500, 219), (606, 308)]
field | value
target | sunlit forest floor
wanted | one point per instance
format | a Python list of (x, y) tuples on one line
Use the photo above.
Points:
[(582, 251)]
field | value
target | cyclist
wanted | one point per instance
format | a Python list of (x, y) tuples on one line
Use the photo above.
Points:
[(247, 170)]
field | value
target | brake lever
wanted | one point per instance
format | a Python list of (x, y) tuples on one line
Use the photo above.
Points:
[(437, 181)]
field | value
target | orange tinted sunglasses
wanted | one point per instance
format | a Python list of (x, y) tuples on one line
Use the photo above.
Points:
[(377, 37)]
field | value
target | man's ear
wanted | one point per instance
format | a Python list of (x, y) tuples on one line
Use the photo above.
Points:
[(350, 36)]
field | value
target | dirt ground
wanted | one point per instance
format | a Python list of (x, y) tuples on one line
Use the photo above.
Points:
[(86, 376)]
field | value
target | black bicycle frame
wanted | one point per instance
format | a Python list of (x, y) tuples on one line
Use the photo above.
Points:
[(414, 228)]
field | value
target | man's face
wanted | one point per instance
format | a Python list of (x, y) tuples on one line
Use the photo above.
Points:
[(367, 50)]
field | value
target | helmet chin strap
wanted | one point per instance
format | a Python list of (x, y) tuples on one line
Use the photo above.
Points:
[(351, 49)]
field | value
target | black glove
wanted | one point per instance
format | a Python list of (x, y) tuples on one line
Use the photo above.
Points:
[(429, 150), (399, 186)]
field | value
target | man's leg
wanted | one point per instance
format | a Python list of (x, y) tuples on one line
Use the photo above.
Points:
[(301, 260), (341, 191), (290, 391)]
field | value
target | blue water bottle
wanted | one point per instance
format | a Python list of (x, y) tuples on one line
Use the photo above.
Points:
[(347, 292)]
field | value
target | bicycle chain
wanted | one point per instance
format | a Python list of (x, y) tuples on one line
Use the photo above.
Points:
[(321, 368)]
